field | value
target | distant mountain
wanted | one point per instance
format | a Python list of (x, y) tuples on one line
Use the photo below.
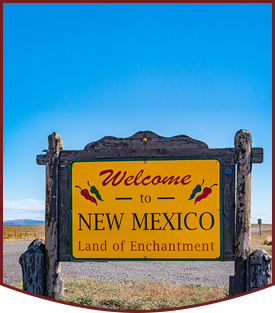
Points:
[(23, 222)]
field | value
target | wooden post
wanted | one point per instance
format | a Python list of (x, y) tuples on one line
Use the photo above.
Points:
[(32, 263), (53, 276), (243, 144)]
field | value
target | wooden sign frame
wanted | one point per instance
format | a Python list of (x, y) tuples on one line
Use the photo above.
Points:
[(145, 144)]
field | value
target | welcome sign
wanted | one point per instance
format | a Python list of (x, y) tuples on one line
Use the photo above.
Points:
[(146, 209)]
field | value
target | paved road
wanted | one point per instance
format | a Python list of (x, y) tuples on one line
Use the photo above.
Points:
[(15, 247), (256, 230), (176, 271)]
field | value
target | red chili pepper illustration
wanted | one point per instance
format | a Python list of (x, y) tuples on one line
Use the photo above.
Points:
[(206, 192), (86, 195)]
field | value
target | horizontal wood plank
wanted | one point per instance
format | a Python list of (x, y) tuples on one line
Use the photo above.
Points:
[(257, 155), (227, 155)]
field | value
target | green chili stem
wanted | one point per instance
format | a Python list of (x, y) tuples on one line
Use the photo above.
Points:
[(214, 185)]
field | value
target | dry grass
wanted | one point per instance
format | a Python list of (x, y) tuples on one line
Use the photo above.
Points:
[(23, 232), (138, 294), (263, 226), (257, 241)]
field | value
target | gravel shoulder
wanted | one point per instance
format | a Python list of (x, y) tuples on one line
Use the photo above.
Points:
[(205, 272)]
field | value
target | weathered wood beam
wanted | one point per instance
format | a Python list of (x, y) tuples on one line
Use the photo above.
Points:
[(228, 210), (243, 144), (146, 139), (53, 276), (227, 155)]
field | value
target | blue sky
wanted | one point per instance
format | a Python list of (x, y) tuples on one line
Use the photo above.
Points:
[(91, 70)]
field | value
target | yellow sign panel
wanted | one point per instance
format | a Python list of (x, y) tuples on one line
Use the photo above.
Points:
[(146, 209)]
